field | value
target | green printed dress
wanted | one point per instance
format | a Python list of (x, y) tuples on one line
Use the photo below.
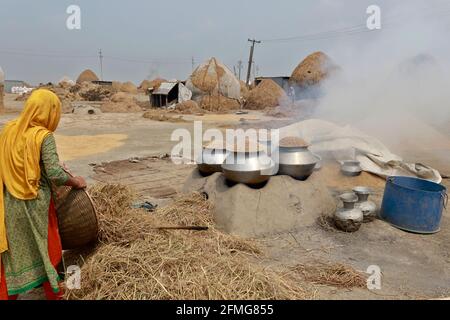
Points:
[(27, 263)]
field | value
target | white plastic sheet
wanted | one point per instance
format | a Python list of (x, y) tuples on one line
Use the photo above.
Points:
[(347, 143)]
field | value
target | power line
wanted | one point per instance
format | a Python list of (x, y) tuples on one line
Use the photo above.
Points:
[(356, 29)]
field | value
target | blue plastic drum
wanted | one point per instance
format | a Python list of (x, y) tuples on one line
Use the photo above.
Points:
[(413, 204)]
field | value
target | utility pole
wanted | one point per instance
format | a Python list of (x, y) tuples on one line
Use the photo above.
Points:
[(250, 60), (100, 55), (240, 65), (193, 64)]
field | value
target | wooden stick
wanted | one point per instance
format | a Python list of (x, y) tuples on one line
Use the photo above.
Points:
[(195, 228)]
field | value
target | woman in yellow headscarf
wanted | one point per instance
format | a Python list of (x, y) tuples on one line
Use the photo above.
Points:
[(30, 247)]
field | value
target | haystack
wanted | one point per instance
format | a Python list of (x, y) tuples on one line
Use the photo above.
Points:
[(122, 97), (267, 94), (244, 89), (188, 107), (137, 260), (311, 71), (87, 76), (116, 85), (128, 87), (219, 103), (155, 83), (66, 82), (213, 78)]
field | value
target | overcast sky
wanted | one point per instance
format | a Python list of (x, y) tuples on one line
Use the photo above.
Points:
[(145, 38)]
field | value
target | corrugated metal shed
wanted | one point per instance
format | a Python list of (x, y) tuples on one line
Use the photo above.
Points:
[(165, 88)]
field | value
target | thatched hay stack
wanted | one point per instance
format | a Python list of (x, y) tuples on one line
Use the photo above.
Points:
[(137, 261), (311, 71), (267, 94), (87, 76), (213, 78), (219, 103), (128, 87)]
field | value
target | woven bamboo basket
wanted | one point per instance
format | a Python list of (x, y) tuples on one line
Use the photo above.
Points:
[(77, 219)]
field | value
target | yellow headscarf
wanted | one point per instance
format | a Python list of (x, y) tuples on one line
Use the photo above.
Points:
[(20, 150)]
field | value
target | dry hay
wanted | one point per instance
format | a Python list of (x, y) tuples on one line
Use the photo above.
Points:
[(244, 89), (213, 78), (219, 103), (189, 107), (207, 77), (92, 92), (136, 261), (332, 274), (122, 97), (116, 85), (147, 84), (162, 116), (268, 94), (315, 68), (87, 76), (128, 87), (120, 107)]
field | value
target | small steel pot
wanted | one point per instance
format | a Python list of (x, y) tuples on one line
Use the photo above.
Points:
[(351, 168)]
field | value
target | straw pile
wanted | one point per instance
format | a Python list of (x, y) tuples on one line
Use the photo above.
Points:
[(129, 87), (267, 94), (135, 260), (311, 71), (92, 92), (334, 274), (188, 107), (244, 89), (87, 76), (146, 84), (162, 116), (219, 103), (207, 77), (213, 78)]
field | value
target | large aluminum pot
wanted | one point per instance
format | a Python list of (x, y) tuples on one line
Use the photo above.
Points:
[(295, 159), (248, 167)]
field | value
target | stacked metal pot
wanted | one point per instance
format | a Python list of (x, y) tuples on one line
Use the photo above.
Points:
[(252, 163)]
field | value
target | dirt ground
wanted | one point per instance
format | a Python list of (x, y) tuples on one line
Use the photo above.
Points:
[(127, 148)]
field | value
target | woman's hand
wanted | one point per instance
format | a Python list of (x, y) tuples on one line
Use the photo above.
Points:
[(77, 182)]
